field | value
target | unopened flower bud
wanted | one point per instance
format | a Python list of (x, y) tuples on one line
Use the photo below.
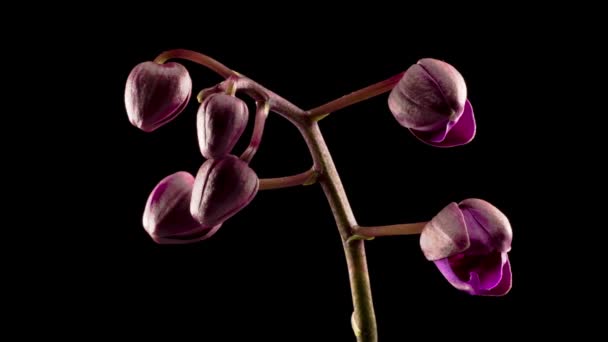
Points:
[(167, 216), (222, 188), (156, 93), (431, 100), (220, 122)]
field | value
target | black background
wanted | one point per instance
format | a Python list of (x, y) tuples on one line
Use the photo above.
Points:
[(276, 271)]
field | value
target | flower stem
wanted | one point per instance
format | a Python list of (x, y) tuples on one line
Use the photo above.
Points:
[(200, 97), (261, 114), (305, 178), (394, 229), (196, 57), (364, 319), (356, 96)]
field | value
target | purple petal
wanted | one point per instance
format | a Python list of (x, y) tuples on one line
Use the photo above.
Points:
[(480, 275), (487, 271), (446, 270), (505, 284), (495, 224), (452, 133), (445, 234), (481, 242)]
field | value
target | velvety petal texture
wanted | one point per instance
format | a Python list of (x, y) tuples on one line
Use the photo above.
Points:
[(431, 101), (156, 93), (220, 122), (222, 188), (469, 242), (167, 216)]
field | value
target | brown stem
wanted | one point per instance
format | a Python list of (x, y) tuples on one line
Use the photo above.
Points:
[(261, 114), (354, 250), (393, 229), (356, 96), (364, 317), (305, 178), (196, 57)]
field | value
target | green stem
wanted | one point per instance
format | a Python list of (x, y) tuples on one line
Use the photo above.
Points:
[(261, 114), (356, 96)]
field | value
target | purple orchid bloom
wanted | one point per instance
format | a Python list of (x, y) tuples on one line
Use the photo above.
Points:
[(222, 188), (156, 93), (220, 122), (431, 101), (167, 216), (469, 243)]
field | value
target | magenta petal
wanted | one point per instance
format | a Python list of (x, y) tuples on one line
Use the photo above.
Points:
[(452, 134), (505, 284), (481, 241), (489, 219), (482, 275), (446, 270), (435, 136), (488, 271)]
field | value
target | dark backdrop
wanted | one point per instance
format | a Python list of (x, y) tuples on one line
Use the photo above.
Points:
[(276, 271)]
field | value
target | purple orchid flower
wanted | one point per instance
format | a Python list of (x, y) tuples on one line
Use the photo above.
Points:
[(156, 93), (221, 120), (469, 243), (167, 216), (431, 101), (222, 188)]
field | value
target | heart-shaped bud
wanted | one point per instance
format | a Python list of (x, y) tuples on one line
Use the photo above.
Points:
[(431, 100), (167, 216), (156, 93), (222, 187), (220, 122)]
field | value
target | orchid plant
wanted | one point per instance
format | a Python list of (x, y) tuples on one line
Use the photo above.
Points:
[(468, 241)]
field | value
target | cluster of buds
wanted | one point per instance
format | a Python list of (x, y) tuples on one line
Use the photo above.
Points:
[(182, 208), (468, 241)]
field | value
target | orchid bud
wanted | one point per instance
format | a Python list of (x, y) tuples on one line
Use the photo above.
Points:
[(167, 216), (156, 93), (222, 188), (469, 243), (220, 122), (431, 101)]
